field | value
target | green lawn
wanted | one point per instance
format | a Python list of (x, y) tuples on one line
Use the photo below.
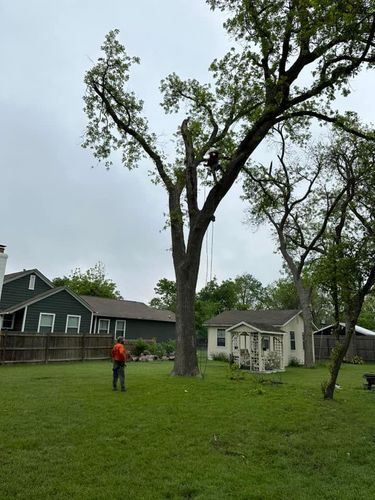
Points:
[(65, 434)]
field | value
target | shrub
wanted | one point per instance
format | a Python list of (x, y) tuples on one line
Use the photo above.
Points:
[(354, 360), (169, 347), (140, 346), (234, 372), (272, 361), (294, 362), (220, 356)]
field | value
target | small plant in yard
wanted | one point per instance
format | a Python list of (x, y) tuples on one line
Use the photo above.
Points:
[(354, 360), (234, 372), (169, 347), (294, 362), (272, 361), (139, 347)]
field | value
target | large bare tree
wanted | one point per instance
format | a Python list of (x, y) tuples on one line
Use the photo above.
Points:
[(289, 58)]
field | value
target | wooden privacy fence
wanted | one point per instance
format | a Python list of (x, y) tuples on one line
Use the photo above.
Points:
[(362, 346), (16, 347)]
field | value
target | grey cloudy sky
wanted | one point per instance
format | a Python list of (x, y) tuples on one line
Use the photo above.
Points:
[(58, 212)]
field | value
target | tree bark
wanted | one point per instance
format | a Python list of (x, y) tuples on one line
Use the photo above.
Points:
[(304, 295), (338, 354), (186, 362)]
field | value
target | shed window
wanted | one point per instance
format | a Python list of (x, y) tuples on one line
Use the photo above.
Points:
[(32, 282), (266, 343), (220, 337), (103, 326), (120, 328), (292, 341), (8, 322), (73, 323), (46, 322)]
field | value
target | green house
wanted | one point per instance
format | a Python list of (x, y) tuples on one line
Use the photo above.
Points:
[(31, 303)]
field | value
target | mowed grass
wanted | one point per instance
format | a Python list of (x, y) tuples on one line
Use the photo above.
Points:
[(65, 434)]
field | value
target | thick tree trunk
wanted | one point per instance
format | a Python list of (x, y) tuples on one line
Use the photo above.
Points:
[(186, 362), (304, 295), (338, 354)]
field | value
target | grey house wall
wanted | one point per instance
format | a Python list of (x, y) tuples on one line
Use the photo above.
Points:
[(61, 304), (17, 291)]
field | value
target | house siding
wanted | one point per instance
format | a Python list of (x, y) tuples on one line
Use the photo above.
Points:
[(61, 304), (146, 329), (296, 326), (17, 291), (160, 330)]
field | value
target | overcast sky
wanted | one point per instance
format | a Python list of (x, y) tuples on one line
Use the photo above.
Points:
[(59, 213)]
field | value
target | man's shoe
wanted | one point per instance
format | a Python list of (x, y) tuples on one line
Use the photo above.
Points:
[(123, 389), (114, 388)]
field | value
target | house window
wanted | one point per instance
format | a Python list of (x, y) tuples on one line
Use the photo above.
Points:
[(73, 323), (265, 343), (8, 322), (120, 328), (292, 341), (103, 326), (32, 282), (46, 322), (220, 337)]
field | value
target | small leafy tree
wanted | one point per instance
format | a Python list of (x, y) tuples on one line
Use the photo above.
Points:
[(259, 83), (165, 292), (347, 266), (91, 282)]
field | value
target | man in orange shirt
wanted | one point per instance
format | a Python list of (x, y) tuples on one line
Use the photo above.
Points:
[(118, 357)]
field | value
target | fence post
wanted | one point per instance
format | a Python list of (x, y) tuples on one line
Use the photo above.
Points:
[(83, 346), (46, 348), (2, 344)]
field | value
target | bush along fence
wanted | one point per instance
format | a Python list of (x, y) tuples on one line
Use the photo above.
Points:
[(17, 347), (361, 347)]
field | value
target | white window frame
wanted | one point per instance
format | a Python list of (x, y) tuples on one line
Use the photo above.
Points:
[(32, 282), (222, 336), (108, 323), (121, 333), (53, 320), (67, 321), (7, 327)]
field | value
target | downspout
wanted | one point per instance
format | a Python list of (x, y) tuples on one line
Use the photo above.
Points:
[(3, 263)]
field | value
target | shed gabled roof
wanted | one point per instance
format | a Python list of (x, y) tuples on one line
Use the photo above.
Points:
[(268, 318), (261, 327), (127, 309), (26, 272), (44, 295)]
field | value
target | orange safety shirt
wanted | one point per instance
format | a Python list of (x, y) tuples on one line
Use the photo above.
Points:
[(118, 352)]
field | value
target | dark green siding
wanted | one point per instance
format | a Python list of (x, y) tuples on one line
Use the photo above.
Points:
[(17, 291), (150, 329), (61, 304), (145, 329)]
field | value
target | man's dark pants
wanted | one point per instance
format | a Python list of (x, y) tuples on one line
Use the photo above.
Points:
[(118, 372)]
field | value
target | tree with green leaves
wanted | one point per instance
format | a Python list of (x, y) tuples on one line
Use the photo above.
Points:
[(294, 199), (347, 266), (259, 83), (165, 292), (91, 282)]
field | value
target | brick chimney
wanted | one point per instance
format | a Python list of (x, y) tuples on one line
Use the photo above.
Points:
[(3, 263)]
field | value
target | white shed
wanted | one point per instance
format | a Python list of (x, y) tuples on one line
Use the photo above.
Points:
[(263, 340)]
